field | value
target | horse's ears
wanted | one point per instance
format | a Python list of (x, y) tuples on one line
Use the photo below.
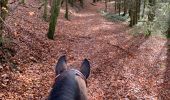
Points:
[(85, 68), (61, 65)]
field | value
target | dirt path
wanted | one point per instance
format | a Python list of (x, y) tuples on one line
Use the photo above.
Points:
[(123, 66)]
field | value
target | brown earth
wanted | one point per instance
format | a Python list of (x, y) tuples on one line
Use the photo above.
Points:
[(124, 67)]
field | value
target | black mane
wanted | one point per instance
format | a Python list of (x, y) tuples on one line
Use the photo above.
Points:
[(65, 87)]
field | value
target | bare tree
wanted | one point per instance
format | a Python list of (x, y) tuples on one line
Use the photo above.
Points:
[(55, 10), (66, 13), (3, 14)]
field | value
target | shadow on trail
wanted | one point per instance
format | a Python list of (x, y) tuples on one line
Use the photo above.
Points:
[(131, 46), (110, 67), (165, 91)]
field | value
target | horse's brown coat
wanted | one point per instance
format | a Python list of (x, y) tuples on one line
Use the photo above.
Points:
[(82, 87)]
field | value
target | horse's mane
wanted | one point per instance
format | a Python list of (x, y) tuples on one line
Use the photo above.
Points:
[(65, 88)]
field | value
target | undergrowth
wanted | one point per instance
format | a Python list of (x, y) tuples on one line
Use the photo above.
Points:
[(113, 17)]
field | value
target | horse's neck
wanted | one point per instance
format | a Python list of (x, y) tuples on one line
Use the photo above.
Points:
[(82, 87), (66, 93)]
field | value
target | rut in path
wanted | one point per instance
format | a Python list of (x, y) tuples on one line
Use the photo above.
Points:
[(122, 65)]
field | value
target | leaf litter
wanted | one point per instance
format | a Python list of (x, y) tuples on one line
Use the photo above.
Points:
[(124, 67)]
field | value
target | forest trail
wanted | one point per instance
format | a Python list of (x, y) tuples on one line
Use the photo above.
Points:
[(123, 66)]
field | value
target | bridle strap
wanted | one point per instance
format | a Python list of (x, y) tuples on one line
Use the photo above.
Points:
[(77, 73)]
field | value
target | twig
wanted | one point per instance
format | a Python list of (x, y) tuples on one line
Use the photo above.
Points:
[(124, 50), (6, 24), (41, 5), (12, 66), (93, 4), (13, 1)]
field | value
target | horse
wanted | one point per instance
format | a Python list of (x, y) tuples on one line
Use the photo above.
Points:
[(70, 84)]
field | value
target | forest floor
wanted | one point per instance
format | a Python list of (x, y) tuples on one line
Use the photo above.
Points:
[(124, 66)]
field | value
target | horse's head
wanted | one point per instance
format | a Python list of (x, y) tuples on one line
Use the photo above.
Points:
[(70, 84)]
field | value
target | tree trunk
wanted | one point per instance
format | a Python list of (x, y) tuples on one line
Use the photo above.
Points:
[(53, 20), (45, 10), (82, 3), (66, 13), (3, 14), (138, 9), (119, 6), (131, 17), (132, 13), (144, 6), (151, 14), (105, 5), (125, 8), (168, 31), (115, 6), (71, 2)]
